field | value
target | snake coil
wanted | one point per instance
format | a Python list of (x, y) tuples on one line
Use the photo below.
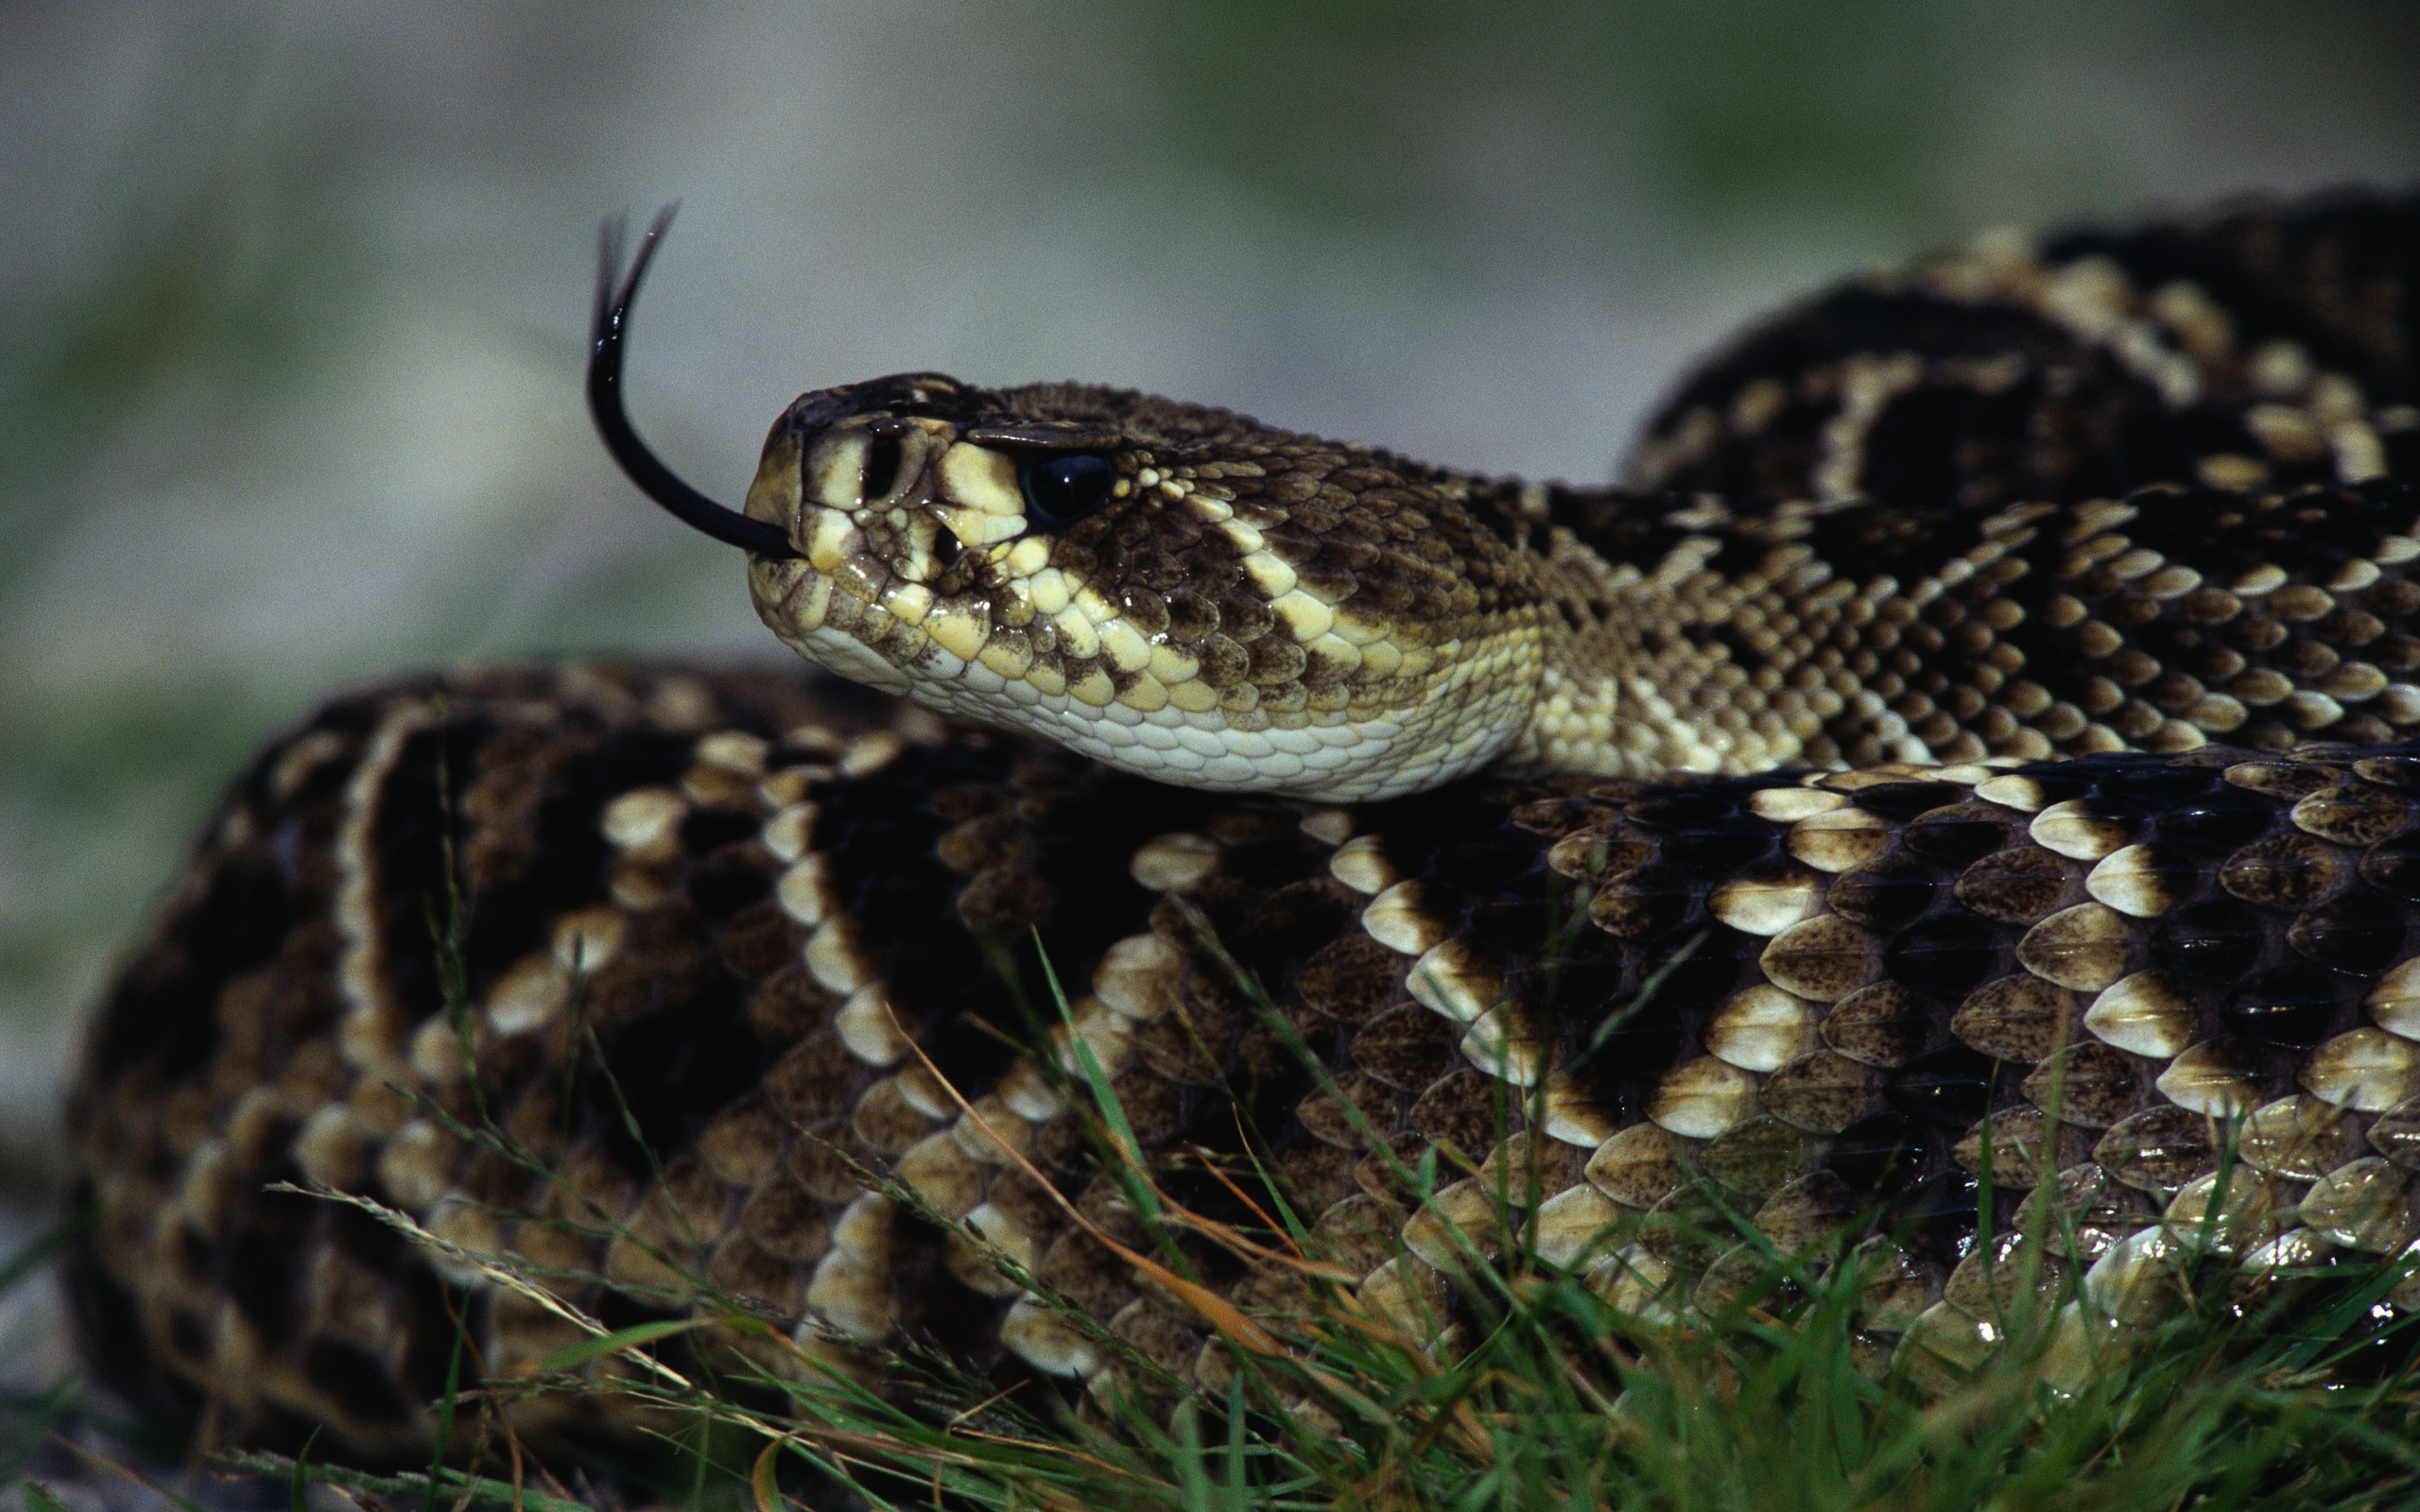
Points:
[(1985, 710)]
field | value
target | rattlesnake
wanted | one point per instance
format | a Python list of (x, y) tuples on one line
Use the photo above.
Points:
[(734, 943)]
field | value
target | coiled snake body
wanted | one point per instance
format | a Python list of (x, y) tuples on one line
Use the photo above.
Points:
[(724, 946)]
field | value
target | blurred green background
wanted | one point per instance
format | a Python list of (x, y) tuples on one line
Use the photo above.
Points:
[(290, 374)]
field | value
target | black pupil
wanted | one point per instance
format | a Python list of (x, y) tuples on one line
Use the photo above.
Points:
[(1061, 489)]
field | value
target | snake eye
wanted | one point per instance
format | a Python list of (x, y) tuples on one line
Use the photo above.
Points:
[(1061, 489)]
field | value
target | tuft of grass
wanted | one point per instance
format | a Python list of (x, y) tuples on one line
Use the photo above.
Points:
[(1532, 1383), (1535, 1391)]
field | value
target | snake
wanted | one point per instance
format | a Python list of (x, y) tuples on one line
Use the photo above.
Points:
[(1974, 746)]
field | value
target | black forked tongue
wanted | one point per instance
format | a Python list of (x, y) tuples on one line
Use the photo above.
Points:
[(614, 294)]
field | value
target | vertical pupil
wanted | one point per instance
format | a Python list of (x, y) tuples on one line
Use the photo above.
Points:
[(882, 468), (1059, 490)]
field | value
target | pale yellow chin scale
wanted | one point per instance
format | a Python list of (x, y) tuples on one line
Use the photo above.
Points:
[(1477, 702)]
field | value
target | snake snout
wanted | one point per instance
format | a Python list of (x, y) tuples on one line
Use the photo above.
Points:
[(869, 466), (903, 491)]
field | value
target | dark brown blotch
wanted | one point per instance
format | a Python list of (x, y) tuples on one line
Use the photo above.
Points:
[(1807, 1211), (1178, 1050), (2158, 1149), (1276, 660), (1145, 610), (2290, 780), (1643, 902), (1885, 894), (986, 839), (1224, 664), (1154, 1104), (1884, 1024), (1757, 1156), (2019, 1016), (759, 942), (1958, 835), (2014, 1142), (2400, 772), (1464, 1110), (1822, 1093), (1821, 958), (2358, 931), (887, 1123), (815, 1079), (1296, 916), (1337, 1115), (827, 1173), (2017, 885), (1087, 1273), (2393, 868), (1595, 851), (1405, 1046), (1244, 617), (2285, 871), (790, 1006), (1350, 978), (2088, 1083), (785, 1221), (2355, 814), (1005, 901), (1192, 617)]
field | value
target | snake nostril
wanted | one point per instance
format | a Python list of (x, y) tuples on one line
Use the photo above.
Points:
[(882, 468), (945, 549)]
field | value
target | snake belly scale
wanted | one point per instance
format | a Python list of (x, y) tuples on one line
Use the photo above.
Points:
[(1987, 707)]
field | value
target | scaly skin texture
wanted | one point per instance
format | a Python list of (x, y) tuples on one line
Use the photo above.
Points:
[(2152, 490), (1865, 533)]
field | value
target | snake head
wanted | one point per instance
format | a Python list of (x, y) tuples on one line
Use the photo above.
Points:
[(1173, 589)]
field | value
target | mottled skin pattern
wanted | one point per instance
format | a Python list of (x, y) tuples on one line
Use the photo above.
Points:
[(1251, 610), (1847, 540), (2147, 502)]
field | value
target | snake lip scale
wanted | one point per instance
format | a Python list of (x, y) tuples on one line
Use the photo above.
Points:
[(1987, 708)]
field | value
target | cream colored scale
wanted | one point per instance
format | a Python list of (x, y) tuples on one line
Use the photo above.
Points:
[(835, 610)]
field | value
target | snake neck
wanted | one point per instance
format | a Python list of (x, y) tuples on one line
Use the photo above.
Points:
[(1694, 636), (1623, 690), (2020, 501)]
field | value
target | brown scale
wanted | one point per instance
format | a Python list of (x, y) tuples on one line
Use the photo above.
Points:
[(1880, 528), (1407, 543), (2022, 389), (797, 921), (2089, 366), (2220, 948)]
